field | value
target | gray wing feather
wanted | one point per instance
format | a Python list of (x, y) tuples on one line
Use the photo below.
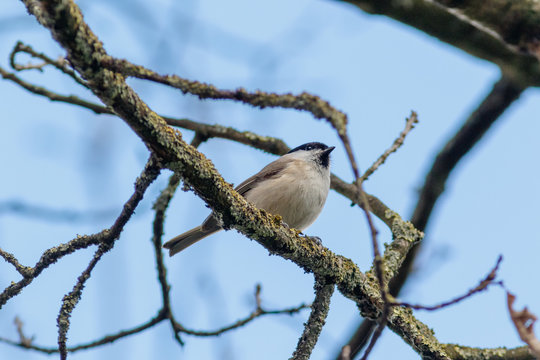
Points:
[(269, 171)]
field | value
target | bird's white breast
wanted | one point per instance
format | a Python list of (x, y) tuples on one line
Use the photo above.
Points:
[(298, 193)]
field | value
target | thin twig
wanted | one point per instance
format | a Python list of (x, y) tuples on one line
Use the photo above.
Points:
[(39, 90), (383, 320), (160, 206), (316, 321), (488, 280), (409, 125), (61, 64), (104, 340), (72, 299), (483, 285), (25, 271), (258, 312)]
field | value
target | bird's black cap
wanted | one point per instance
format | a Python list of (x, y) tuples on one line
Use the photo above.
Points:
[(309, 146), (324, 156)]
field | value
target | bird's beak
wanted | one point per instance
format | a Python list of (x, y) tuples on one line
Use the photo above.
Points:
[(328, 151)]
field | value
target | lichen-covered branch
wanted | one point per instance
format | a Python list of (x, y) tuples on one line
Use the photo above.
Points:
[(160, 206), (72, 299), (460, 352), (316, 321), (319, 108)]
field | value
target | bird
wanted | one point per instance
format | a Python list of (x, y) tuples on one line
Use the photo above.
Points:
[(294, 186)]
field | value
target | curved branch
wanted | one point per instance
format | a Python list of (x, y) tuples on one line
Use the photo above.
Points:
[(467, 32), (319, 108)]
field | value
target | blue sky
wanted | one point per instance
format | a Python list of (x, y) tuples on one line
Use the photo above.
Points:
[(372, 68)]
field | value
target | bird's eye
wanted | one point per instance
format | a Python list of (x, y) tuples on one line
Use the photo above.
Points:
[(310, 147)]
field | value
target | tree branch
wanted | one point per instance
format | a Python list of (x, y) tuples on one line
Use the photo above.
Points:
[(319, 108), (483, 285), (105, 340), (316, 321), (409, 125), (464, 28)]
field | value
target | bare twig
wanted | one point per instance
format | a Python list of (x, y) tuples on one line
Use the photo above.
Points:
[(160, 206), (71, 99), (383, 321), (161, 316), (258, 312), (25, 271), (316, 321), (72, 299), (104, 340), (409, 125), (61, 64), (483, 285)]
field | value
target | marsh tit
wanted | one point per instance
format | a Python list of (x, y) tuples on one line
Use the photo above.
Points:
[(294, 186)]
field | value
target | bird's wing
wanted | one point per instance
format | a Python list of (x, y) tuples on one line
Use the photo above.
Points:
[(268, 172)]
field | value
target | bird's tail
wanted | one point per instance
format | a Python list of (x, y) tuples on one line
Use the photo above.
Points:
[(182, 241)]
